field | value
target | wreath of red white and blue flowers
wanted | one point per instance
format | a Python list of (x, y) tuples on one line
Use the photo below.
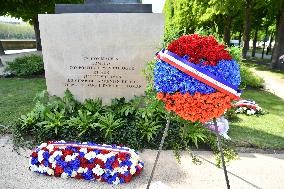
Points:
[(107, 163), (196, 78)]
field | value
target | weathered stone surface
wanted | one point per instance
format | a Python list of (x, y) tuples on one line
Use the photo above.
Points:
[(99, 55), (103, 8)]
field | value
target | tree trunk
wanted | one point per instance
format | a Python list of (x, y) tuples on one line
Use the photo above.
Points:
[(37, 34), (2, 52), (279, 41), (247, 26), (254, 43), (240, 38), (264, 41), (227, 32), (268, 50)]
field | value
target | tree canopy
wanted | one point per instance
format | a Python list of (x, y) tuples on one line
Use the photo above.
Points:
[(242, 19)]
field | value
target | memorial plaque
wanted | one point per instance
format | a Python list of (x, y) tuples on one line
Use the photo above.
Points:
[(99, 54)]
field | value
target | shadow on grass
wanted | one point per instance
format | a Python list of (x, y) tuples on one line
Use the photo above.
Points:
[(264, 66), (253, 138)]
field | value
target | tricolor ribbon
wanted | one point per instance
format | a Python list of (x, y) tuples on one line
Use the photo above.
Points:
[(199, 73), (91, 146), (247, 103)]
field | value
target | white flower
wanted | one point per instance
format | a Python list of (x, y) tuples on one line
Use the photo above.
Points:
[(116, 182), (85, 170), (40, 156), (33, 168), (102, 157), (132, 170), (98, 170), (51, 159), (84, 150), (50, 147), (43, 145), (50, 172), (123, 169), (53, 165), (90, 155), (64, 175), (71, 157), (80, 170), (56, 153), (42, 169), (74, 173)]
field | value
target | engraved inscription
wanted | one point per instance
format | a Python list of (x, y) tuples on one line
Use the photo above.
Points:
[(103, 72)]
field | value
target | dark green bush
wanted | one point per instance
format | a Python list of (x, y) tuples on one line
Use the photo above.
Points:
[(26, 66)]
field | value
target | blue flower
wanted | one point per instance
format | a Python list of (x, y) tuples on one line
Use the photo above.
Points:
[(34, 160), (169, 79), (45, 155), (75, 164), (45, 163), (88, 175), (82, 154), (68, 170), (62, 163)]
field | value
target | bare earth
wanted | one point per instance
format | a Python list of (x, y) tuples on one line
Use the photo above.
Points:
[(253, 170)]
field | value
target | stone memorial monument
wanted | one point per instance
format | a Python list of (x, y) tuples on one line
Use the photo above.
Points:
[(99, 54)]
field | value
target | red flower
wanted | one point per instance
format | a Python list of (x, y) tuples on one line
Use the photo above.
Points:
[(58, 171), (199, 48), (197, 107)]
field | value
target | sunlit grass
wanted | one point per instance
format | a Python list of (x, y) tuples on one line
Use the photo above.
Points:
[(265, 131), (16, 97)]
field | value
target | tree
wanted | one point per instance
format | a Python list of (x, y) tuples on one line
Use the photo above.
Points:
[(259, 21), (28, 10), (2, 52), (227, 10), (247, 26), (279, 39)]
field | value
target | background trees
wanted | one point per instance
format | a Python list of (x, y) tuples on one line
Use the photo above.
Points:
[(28, 10), (259, 20)]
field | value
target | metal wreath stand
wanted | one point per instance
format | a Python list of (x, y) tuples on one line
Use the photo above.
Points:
[(219, 144)]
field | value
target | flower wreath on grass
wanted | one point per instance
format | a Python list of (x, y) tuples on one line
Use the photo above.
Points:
[(196, 78), (248, 107), (107, 163)]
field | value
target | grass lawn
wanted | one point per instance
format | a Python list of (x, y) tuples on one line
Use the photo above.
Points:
[(264, 66), (266, 131), (16, 97)]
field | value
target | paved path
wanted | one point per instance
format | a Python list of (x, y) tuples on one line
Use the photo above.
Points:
[(259, 55), (253, 170), (273, 82)]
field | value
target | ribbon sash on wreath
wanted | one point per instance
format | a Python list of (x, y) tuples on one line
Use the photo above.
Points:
[(202, 75)]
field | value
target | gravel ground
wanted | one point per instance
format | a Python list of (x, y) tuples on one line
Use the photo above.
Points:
[(253, 170)]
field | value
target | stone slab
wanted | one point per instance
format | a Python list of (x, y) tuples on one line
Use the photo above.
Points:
[(103, 8), (99, 55), (110, 1)]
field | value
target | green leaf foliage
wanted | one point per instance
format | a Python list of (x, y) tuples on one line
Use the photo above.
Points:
[(138, 123), (26, 66)]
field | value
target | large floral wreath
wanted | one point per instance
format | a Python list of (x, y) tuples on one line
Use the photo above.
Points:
[(192, 97)]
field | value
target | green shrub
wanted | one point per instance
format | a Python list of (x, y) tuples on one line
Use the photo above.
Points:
[(248, 78), (26, 66)]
